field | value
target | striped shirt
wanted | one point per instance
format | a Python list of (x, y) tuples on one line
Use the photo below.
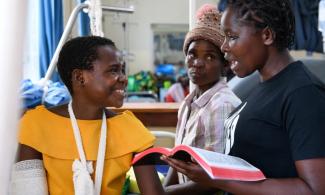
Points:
[(201, 120)]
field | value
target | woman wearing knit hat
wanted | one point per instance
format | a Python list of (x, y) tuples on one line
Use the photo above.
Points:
[(202, 113), (280, 129)]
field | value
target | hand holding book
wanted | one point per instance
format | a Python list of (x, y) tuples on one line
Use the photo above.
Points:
[(216, 165), (192, 170)]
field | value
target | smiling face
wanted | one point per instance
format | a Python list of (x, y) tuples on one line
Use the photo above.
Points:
[(204, 63), (105, 84), (243, 46)]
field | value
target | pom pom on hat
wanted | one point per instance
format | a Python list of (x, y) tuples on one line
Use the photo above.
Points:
[(204, 9), (207, 27)]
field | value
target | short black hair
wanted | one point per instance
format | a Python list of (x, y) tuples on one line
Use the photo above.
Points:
[(275, 14), (79, 53)]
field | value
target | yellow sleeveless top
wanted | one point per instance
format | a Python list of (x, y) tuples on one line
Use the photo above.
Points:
[(52, 135)]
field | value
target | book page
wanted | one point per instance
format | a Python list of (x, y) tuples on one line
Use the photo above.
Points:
[(222, 160)]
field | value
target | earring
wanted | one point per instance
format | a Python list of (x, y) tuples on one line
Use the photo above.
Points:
[(82, 82)]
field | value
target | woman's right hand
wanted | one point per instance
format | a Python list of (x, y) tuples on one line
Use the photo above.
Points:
[(191, 169)]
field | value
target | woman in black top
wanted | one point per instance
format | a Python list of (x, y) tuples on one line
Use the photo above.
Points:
[(280, 129)]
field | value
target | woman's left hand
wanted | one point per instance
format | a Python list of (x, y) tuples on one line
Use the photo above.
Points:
[(191, 169)]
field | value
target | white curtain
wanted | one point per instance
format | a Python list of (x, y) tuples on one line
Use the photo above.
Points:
[(12, 29), (31, 54)]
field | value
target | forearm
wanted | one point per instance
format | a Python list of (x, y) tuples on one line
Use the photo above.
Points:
[(269, 186), (171, 178), (148, 180), (188, 188)]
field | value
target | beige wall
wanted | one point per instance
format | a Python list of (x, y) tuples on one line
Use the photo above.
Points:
[(138, 37)]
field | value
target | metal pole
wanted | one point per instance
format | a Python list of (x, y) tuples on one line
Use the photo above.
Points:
[(64, 37), (67, 31), (192, 10)]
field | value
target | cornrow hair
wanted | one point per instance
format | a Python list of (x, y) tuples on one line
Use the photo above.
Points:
[(274, 14), (79, 53)]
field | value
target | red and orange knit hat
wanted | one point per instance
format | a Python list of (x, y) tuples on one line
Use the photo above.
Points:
[(207, 27)]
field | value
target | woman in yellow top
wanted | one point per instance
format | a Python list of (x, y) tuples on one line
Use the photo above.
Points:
[(84, 147)]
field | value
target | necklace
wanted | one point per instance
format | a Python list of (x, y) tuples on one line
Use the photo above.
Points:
[(82, 169)]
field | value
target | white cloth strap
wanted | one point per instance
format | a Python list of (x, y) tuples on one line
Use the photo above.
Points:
[(28, 177), (82, 169)]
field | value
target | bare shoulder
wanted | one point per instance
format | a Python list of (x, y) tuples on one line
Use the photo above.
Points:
[(61, 110), (27, 153)]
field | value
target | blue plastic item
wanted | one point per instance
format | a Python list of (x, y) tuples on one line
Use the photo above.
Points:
[(162, 169), (31, 94), (57, 94), (165, 69)]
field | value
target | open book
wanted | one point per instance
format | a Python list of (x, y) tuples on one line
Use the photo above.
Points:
[(217, 165)]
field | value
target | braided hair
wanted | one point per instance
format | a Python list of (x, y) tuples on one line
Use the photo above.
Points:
[(274, 14), (79, 53)]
